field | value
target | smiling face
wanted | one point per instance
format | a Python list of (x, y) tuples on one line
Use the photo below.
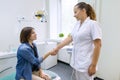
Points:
[(79, 13), (33, 35)]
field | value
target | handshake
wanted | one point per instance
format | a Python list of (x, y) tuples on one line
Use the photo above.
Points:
[(51, 52)]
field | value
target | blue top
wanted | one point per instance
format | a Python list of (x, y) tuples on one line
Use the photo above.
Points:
[(26, 60)]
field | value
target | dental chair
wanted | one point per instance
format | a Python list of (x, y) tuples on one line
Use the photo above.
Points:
[(11, 76), (7, 67)]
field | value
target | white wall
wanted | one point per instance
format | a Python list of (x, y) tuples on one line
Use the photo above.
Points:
[(109, 65), (11, 11)]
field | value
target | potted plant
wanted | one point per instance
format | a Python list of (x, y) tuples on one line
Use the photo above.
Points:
[(61, 35)]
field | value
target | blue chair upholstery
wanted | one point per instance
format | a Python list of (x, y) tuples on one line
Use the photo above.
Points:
[(8, 77)]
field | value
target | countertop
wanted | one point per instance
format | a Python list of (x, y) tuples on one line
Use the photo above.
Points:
[(7, 54)]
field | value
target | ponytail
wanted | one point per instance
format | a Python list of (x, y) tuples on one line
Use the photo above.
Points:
[(90, 12)]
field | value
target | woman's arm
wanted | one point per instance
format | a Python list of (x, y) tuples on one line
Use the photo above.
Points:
[(42, 75), (40, 72), (46, 55), (62, 44), (96, 52), (27, 54)]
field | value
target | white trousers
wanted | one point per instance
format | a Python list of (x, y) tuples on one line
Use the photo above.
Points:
[(77, 75)]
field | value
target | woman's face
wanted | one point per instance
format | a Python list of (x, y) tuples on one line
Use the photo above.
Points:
[(78, 13), (33, 35)]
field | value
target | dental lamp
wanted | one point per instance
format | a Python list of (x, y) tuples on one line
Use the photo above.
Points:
[(41, 15)]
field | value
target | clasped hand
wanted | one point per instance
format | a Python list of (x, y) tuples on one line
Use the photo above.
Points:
[(54, 51)]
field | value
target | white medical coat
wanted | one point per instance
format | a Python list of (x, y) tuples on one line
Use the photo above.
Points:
[(83, 46)]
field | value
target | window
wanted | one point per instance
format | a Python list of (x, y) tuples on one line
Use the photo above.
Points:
[(67, 16), (61, 14), (61, 17)]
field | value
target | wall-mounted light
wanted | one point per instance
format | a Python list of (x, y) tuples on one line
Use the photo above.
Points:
[(41, 15)]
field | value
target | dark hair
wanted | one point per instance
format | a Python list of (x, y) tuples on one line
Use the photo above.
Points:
[(25, 34), (89, 10)]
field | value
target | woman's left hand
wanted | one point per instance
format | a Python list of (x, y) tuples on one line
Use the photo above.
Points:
[(44, 76), (91, 70)]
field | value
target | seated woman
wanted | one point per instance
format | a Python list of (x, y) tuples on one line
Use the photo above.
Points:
[(28, 61)]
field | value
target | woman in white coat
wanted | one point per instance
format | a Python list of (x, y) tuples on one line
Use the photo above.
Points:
[(86, 38)]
